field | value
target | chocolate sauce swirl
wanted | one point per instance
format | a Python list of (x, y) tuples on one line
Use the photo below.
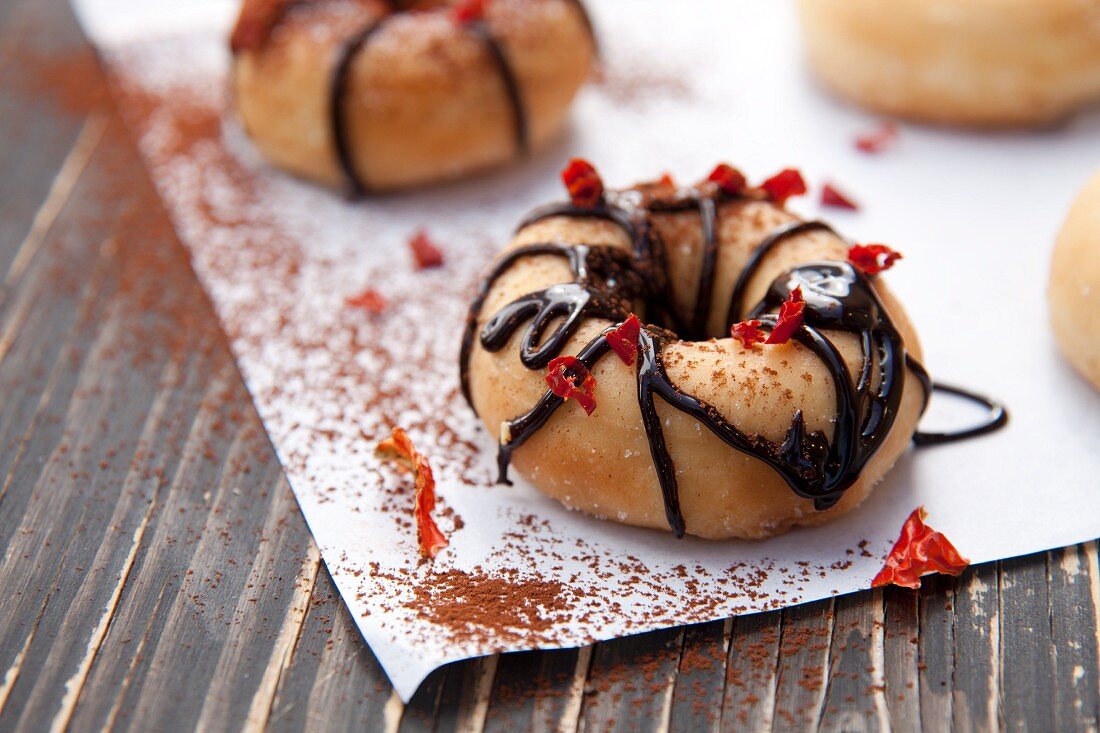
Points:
[(995, 419), (497, 54), (609, 283), (338, 103)]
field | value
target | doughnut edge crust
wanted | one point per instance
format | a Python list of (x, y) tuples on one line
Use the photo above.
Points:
[(778, 403), (977, 63), (1073, 292)]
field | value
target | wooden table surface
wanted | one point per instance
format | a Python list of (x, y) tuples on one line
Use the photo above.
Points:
[(157, 574)]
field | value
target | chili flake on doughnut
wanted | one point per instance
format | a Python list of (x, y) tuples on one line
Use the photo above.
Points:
[(783, 185), (918, 551), (400, 447), (562, 376), (469, 11), (748, 333), (624, 339), (790, 318), (583, 183), (873, 258), (729, 179)]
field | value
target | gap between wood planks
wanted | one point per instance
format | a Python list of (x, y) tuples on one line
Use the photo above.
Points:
[(287, 641), (75, 684)]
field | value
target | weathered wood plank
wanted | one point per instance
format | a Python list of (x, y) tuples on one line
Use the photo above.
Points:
[(936, 647), (131, 456), (901, 625), (854, 687), (49, 83), (630, 682), (804, 646), (1073, 617), (700, 679), (533, 690), (752, 672), (1027, 689), (420, 713), (976, 682), (333, 682)]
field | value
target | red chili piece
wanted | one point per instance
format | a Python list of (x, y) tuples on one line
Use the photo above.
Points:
[(783, 185), (830, 196), (583, 183), (563, 375), (425, 252), (873, 258), (919, 550), (428, 535), (748, 333), (624, 339), (879, 139), (729, 179), (790, 318), (469, 11), (369, 300)]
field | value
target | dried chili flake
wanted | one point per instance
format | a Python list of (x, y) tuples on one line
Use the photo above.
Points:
[(400, 447), (369, 300), (426, 254), (830, 196), (728, 179), (748, 333), (918, 551), (469, 11), (666, 180), (879, 139), (790, 318), (583, 183), (873, 258), (623, 340), (568, 377), (783, 185)]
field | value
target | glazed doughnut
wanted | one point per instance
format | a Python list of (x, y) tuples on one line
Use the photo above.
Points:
[(965, 62), (702, 433), (1074, 291), (375, 96)]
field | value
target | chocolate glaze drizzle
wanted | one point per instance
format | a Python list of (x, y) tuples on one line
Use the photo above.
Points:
[(337, 104), (350, 51), (352, 47), (996, 418), (607, 284), (480, 29)]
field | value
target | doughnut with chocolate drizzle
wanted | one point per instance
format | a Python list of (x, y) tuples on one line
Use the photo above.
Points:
[(259, 20), (875, 382)]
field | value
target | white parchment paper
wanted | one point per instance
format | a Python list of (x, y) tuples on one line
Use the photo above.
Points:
[(686, 85)]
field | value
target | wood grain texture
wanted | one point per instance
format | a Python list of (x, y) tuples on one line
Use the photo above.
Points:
[(157, 574)]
